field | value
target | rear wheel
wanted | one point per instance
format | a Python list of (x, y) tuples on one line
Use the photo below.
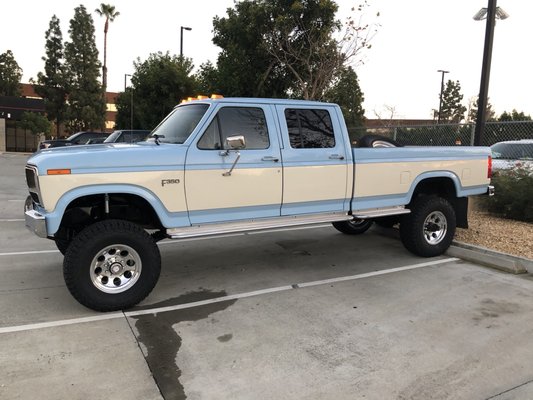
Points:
[(429, 229), (111, 265), (355, 226)]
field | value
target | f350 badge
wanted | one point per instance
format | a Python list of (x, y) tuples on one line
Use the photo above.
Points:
[(169, 181)]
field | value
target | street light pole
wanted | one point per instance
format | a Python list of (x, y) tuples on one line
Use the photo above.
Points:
[(131, 100), (491, 13), (441, 90), (182, 28)]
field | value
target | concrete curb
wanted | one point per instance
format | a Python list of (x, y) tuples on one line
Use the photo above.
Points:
[(491, 258), (480, 255)]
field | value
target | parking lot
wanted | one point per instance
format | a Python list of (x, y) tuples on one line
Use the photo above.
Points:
[(291, 314)]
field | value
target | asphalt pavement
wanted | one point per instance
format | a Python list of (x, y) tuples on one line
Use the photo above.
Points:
[(291, 314)]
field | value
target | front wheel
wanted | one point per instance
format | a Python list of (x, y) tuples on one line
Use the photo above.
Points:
[(429, 229), (111, 265), (354, 226)]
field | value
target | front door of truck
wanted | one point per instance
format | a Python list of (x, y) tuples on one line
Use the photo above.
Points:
[(229, 184), (315, 160)]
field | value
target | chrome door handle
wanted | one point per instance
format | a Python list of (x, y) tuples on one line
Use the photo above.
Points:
[(336, 156), (270, 158)]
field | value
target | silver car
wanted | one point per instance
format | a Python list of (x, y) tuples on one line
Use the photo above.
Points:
[(512, 154)]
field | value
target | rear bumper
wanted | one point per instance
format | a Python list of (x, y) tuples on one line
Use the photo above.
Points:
[(35, 221)]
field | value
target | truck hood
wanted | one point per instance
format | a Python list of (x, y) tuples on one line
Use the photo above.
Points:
[(111, 157)]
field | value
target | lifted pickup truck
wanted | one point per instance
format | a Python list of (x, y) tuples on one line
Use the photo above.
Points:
[(217, 166)]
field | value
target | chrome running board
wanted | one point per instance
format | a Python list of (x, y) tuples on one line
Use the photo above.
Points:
[(380, 212), (213, 229)]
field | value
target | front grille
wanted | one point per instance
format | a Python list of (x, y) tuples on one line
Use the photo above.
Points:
[(34, 197)]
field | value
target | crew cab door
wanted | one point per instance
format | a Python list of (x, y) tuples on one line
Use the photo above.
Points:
[(252, 189), (315, 160)]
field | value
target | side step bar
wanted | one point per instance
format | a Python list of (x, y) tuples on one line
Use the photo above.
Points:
[(214, 229), (255, 225), (380, 212)]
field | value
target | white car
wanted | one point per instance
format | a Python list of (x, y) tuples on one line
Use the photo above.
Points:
[(512, 154)]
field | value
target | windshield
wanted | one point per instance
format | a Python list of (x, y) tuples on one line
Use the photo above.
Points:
[(512, 151), (180, 123), (113, 137)]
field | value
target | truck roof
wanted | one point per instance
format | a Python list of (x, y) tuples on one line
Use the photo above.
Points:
[(240, 100)]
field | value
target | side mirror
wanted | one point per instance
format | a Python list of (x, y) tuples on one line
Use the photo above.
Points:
[(236, 142)]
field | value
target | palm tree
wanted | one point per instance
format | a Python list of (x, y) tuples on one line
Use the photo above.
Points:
[(107, 11)]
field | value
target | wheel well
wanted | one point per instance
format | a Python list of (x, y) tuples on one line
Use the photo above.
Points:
[(86, 210), (445, 188), (442, 187)]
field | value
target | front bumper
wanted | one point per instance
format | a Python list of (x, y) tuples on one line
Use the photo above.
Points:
[(35, 221)]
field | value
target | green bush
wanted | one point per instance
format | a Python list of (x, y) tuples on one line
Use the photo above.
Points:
[(514, 194)]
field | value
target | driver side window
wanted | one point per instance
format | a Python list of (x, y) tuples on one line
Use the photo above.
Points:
[(249, 122)]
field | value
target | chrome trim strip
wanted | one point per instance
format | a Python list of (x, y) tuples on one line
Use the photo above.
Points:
[(255, 225)]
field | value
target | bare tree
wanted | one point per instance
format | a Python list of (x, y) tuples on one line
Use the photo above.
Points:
[(386, 115), (314, 56)]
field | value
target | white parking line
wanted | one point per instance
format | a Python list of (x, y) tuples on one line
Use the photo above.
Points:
[(102, 317), (174, 241), (12, 220), (17, 200), (22, 253)]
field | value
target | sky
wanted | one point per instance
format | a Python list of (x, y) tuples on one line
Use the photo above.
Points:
[(399, 75)]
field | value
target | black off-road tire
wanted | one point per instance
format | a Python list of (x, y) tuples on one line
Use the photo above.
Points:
[(353, 227), (62, 245), (377, 141), (104, 247), (429, 229)]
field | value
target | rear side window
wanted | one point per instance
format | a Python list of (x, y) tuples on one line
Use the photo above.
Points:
[(235, 121), (309, 129)]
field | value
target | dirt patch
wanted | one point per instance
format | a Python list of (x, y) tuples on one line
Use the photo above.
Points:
[(500, 234)]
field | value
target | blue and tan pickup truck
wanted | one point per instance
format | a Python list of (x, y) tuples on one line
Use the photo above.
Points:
[(217, 166)]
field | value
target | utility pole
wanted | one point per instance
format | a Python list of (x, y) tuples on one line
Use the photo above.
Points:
[(491, 12), (182, 28), (131, 100), (441, 90)]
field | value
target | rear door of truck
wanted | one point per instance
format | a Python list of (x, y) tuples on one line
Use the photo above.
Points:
[(317, 167)]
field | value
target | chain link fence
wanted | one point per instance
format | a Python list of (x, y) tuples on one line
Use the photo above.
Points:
[(449, 134)]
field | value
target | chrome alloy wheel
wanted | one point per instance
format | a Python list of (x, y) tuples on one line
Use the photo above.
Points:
[(435, 227), (356, 222), (382, 143), (115, 268)]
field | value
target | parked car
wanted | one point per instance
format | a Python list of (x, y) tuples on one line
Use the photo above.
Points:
[(97, 140), (511, 154), (77, 138), (127, 136)]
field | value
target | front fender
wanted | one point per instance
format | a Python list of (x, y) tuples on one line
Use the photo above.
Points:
[(168, 219)]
